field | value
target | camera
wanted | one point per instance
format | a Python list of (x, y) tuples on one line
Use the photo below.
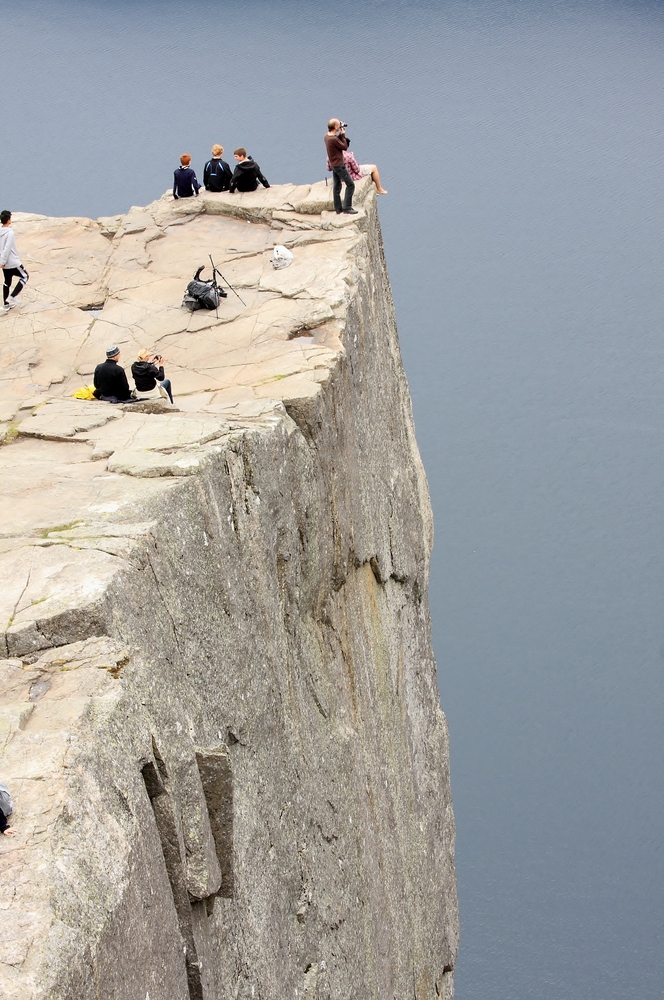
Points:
[(343, 124)]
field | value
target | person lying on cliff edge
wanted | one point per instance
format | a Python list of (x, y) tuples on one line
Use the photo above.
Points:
[(217, 175), (247, 174), (336, 143), (148, 374), (110, 381), (359, 170), (185, 183), (6, 810), (10, 262)]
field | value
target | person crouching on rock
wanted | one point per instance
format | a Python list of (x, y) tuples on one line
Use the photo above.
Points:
[(148, 374), (185, 184), (110, 380), (217, 174), (247, 174)]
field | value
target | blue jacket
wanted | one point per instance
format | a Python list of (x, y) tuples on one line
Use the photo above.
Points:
[(184, 183)]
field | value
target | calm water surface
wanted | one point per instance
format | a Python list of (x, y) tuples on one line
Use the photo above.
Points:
[(522, 146)]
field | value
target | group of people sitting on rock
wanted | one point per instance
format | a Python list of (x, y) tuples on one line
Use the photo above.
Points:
[(217, 175), (111, 385)]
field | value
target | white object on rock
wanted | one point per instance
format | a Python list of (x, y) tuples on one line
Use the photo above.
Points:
[(282, 257)]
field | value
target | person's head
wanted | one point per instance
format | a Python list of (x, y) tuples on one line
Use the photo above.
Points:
[(5, 217), (144, 354), (112, 353), (240, 153), (333, 124), (185, 160), (217, 150)]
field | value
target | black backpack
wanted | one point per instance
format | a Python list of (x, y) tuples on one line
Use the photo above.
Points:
[(202, 294)]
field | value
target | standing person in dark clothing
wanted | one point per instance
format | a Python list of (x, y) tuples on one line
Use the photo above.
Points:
[(110, 380), (247, 174), (185, 183), (217, 174), (148, 374), (10, 262), (336, 143)]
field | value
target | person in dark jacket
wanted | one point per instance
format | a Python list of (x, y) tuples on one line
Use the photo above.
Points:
[(110, 380), (247, 174), (148, 374), (217, 174), (185, 183)]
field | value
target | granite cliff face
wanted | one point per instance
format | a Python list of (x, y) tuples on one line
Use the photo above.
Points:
[(218, 707)]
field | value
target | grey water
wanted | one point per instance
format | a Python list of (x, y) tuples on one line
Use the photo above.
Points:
[(522, 147)]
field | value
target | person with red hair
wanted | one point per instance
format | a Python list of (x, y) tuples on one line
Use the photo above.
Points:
[(185, 183)]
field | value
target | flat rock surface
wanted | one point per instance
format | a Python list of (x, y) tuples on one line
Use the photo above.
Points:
[(121, 280)]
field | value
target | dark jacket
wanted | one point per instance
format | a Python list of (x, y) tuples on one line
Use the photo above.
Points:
[(247, 175), (217, 175), (110, 380), (146, 375), (335, 145), (185, 183)]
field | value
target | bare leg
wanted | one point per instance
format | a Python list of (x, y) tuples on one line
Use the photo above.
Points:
[(375, 177)]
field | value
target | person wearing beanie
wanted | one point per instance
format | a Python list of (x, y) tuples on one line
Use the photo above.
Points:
[(185, 183), (217, 174), (110, 380), (10, 262)]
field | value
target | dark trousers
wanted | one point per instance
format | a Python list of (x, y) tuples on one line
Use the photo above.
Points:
[(341, 176), (11, 273)]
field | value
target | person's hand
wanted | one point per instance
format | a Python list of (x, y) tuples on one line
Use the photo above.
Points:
[(9, 833)]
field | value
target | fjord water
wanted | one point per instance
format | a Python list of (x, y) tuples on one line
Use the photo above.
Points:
[(522, 147)]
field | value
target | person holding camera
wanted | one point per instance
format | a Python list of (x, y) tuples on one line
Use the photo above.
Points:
[(336, 144), (148, 374)]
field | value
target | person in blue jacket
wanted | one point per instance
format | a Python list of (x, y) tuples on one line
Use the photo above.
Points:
[(185, 183)]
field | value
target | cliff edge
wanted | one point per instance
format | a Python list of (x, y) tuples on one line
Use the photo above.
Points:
[(219, 716)]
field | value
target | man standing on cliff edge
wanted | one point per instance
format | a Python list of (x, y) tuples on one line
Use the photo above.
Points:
[(336, 143)]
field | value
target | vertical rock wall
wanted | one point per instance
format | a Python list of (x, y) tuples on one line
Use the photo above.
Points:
[(258, 801)]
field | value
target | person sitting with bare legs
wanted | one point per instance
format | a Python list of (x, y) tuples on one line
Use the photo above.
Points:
[(359, 170)]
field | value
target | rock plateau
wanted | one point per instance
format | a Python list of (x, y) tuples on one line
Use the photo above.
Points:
[(219, 716)]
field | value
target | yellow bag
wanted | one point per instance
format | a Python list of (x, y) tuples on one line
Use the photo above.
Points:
[(85, 392)]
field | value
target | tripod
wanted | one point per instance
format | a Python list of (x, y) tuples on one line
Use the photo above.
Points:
[(215, 272)]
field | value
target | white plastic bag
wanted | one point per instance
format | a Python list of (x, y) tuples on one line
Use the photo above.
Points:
[(282, 257)]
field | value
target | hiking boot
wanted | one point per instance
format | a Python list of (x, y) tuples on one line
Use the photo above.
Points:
[(350, 211)]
